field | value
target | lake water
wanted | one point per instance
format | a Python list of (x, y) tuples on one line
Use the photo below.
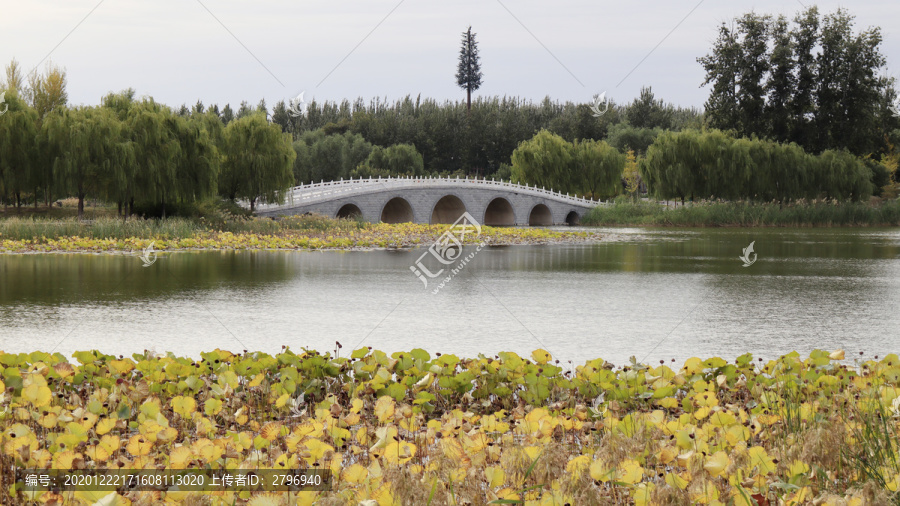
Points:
[(653, 294)]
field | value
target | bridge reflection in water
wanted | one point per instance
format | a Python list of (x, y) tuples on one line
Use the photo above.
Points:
[(433, 200)]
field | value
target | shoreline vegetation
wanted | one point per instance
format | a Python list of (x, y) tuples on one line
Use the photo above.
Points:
[(111, 235), (417, 428), (802, 213)]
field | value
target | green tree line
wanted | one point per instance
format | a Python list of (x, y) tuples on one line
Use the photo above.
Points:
[(712, 164), (130, 152), (812, 80)]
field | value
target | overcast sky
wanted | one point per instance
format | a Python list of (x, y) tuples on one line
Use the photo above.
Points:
[(222, 51)]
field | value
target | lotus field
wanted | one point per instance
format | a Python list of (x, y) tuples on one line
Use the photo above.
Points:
[(412, 428)]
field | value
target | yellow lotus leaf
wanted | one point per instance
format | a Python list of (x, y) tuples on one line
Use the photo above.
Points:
[(203, 425), (630, 471), (384, 408), (110, 443), (362, 436), (97, 453), (736, 434), (292, 440), (311, 428), (541, 356), (668, 403), (837, 355), (282, 401), (452, 449), (37, 395), (102, 498), (139, 445), (105, 425), (533, 452), (64, 460), (693, 365), (150, 408), (801, 496), (642, 494), (49, 420), (798, 468), (64, 369), (356, 405), (759, 457), (684, 459), (496, 476), (122, 366), (212, 407), (683, 439), (266, 499), (706, 494), (600, 471), (666, 454), (679, 481), (716, 463), (355, 474), (491, 423), (33, 378), (180, 457), (270, 430), (257, 380), (184, 406), (399, 452), (211, 453), (317, 449), (722, 419), (383, 495), (701, 413)]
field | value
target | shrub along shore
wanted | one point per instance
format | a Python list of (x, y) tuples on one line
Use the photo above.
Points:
[(745, 214), (417, 428)]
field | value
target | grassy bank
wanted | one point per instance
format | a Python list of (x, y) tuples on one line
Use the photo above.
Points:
[(24, 235), (412, 428), (744, 214)]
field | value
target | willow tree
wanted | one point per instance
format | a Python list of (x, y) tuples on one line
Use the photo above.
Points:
[(543, 160), (597, 168), (90, 151), (258, 162), (18, 147), (156, 153), (198, 163)]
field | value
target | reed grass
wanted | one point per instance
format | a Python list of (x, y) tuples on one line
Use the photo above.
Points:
[(747, 214)]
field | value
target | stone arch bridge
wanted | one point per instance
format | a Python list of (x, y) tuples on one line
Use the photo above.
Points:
[(433, 200)]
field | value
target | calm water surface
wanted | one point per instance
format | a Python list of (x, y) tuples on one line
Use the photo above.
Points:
[(653, 294)]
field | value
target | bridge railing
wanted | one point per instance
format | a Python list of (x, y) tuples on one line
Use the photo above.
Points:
[(314, 192)]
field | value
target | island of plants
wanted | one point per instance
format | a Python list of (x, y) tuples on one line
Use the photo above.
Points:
[(235, 231), (436, 429)]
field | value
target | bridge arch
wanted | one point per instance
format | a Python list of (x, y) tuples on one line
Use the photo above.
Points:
[(397, 210), (540, 216), (499, 213), (447, 209), (349, 211), (573, 218)]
